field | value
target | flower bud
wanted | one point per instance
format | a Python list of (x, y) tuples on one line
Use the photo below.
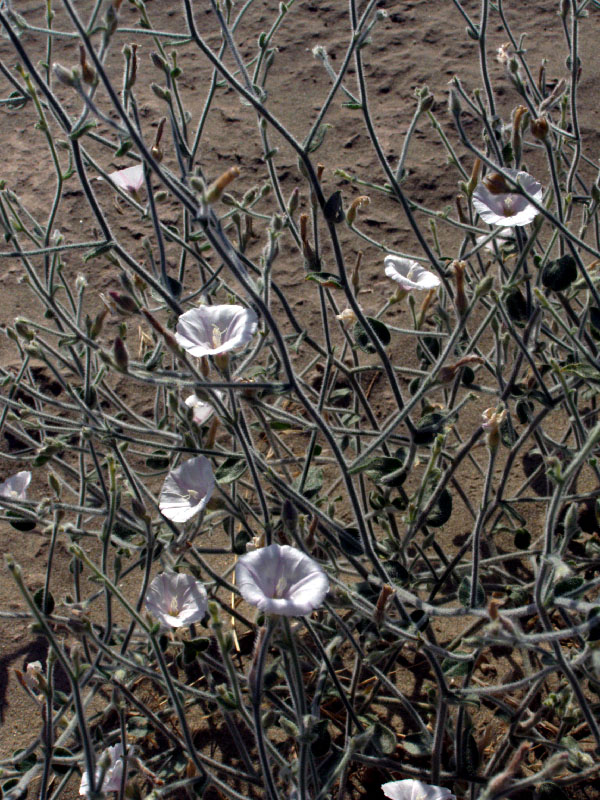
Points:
[(539, 128), (362, 200), (459, 276), (63, 75), (124, 304), (87, 73), (120, 354), (216, 189), (492, 419)]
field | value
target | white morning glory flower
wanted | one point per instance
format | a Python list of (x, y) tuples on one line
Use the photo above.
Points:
[(130, 179), (15, 488), (505, 239), (415, 790), (187, 489), (211, 330), (113, 774), (409, 274), (176, 600), (202, 411), (280, 579), (497, 204)]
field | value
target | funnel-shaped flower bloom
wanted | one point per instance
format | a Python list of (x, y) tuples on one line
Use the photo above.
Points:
[(176, 600), (112, 775), (497, 204), (202, 411), (415, 790), (130, 179), (15, 488), (409, 274), (187, 489), (211, 330), (279, 579)]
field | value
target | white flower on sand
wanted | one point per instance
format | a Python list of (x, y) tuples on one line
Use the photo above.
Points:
[(211, 330), (15, 488), (202, 411), (112, 761), (409, 274), (176, 600), (187, 489), (280, 579), (130, 179), (497, 204), (415, 790)]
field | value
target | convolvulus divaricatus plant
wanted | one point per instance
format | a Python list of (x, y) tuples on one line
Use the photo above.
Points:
[(304, 555)]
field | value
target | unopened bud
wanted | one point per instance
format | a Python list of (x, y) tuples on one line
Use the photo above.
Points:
[(293, 201), (97, 324), (87, 73), (459, 276), (362, 200), (384, 595), (120, 354), (539, 128), (64, 75), (216, 189), (124, 304)]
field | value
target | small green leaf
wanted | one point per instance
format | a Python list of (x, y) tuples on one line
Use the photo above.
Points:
[(558, 275), (384, 738), (568, 585), (417, 744), (464, 593), (324, 279), (441, 512), (522, 539), (379, 328), (428, 427), (380, 467), (319, 136), (349, 541), (333, 209), (231, 469), (38, 599), (193, 648)]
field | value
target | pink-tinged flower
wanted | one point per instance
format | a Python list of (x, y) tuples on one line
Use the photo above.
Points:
[(497, 204), (202, 411), (415, 790), (280, 579), (409, 274), (211, 330), (176, 600), (15, 488), (130, 179), (187, 489), (492, 418), (501, 239), (112, 760)]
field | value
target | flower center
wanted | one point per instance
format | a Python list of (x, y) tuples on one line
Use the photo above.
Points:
[(191, 495), (280, 588), (507, 207), (174, 607), (217, 336)]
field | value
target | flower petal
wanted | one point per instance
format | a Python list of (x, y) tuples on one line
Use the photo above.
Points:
[(187, 489), (508, 209), (129, 179), (202, 411), (210, 330), (410, 274), (280, 579), (176, 599), (15, 487), (410, 789)]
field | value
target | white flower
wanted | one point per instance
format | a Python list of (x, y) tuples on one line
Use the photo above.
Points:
[(505, 239), (33, 671), (187, 489), (347, 317), (15, 488), (210, 330), (113, 774), (202, 411), (409, 274), (497, 204), (279, 579), (415, 790), (130, 179), (503, 53), (176, 600), (492, 419)]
